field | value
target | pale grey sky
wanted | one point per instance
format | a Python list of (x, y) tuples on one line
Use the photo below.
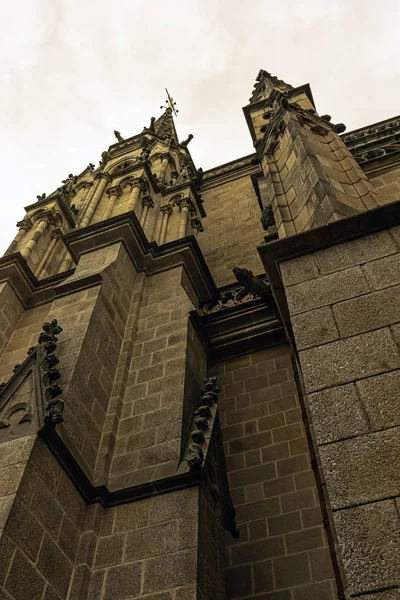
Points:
[(75, 70)]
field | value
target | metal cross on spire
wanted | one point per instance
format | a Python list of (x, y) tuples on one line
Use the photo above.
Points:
[(170, 103)]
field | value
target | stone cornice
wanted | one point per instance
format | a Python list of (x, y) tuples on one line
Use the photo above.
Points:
[(146, 256), (28, 289), (58, 199), (229, 171), (313, 240)]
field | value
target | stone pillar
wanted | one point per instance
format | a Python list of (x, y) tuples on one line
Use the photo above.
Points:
[(82, 201), (113, 194), (166, 212), (343, 306), (315, 178), (165, 159), (103, 180), (184, 206), (24, 226), (66, 263), (44, 220), (56, 234), (147, 204), (135, 194)]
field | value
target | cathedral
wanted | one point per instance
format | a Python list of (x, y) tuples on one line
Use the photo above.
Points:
[(200, 370)]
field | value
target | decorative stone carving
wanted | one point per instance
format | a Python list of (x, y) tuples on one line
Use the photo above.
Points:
[(41, 197), (188, 140), (254, 285), (48, 363), (105, 156), (196, 224), (209, 398), (267, 218), (118, 136)]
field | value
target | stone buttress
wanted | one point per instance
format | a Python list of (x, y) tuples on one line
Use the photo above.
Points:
[(200, 370)]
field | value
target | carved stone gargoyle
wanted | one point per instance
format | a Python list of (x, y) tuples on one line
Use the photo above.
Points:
[(254, 285)]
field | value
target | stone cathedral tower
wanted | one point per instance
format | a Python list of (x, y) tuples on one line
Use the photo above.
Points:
[(201, 371)]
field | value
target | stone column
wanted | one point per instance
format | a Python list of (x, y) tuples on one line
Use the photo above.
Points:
[(165, 159), (86, 187), (66, 263), (113, 194), (103, 180), (315, 178), (147, 204), (135, 194), (166, 212), (185, 206), (44, 220), (24, 226), (56, 234)]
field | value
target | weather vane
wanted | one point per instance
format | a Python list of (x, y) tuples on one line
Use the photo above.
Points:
[(170, 104)]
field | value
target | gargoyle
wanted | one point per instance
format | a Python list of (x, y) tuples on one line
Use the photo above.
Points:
[(254, 285)]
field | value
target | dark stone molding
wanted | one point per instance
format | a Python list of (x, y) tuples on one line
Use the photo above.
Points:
[(102, 494), (238, 330), (28, 289), (313, 240), (146, 256), (59, 200)]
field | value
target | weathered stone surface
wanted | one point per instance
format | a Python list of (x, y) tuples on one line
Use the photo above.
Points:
[(380, 397), (346, 360), (369, 539), (356, 252), (326, 290), (123, 582), (23, 580), (384, 272), (371, 311), (314, 327), (298, 270), (337, 413), (55, 566), (372, 468), (170, 571), (24, 529)]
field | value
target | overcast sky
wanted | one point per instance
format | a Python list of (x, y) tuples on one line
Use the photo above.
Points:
[(75, 70)]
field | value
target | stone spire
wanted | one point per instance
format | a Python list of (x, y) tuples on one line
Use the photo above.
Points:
[(265, 83), (164, 126)]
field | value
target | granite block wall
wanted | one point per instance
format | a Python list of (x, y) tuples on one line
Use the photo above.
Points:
[(282, 551), (345, 311)]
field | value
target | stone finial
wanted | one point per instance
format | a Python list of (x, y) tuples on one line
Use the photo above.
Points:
[(91, 167), (188, 140), (41, 197), (118, 136)]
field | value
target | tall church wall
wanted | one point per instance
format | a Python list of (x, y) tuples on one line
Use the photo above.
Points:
[(345, 313), (387, 185), (232, 229), (282, 551)]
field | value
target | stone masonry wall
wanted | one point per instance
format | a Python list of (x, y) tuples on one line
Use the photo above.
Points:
[(232, 229), (345, 311), (388, 186), (55, 547), (282, 552)]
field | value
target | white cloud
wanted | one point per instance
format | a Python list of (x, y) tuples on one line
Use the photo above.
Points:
[(74, 71)]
